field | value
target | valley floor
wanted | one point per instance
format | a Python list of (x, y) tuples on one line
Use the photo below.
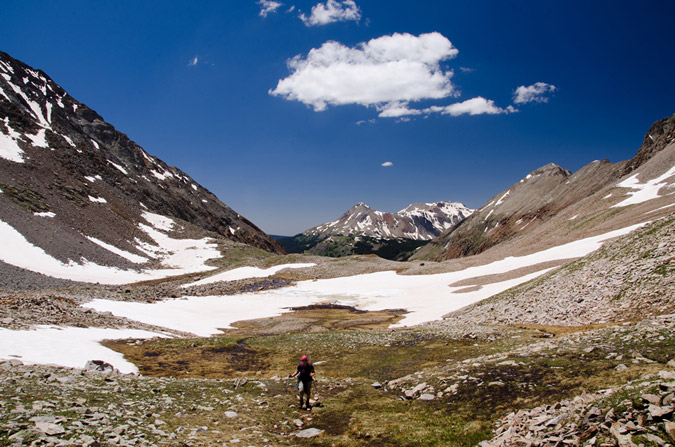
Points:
[(213, 359), (451, 386)]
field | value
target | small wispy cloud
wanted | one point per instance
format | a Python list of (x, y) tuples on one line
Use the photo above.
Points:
[(370, 121), (194, 61), (387, 164), (332, 11), (473, 106), (534, 93), (268, 7)]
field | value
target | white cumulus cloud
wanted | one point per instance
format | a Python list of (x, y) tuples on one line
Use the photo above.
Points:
[(386, 164), (473, 106), (534, 93), (387, 72), (332, 11), (268, 7)]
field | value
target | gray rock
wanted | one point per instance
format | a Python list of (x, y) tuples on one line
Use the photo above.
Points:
[(651, 398), (309, 433), (99, 366), (660, 412), (50, 429), (427, 396), (419, 388)]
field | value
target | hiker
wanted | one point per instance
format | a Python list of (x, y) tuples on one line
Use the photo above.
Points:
[(305, 375)]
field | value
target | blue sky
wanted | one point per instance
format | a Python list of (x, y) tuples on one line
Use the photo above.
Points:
[(288, 110)]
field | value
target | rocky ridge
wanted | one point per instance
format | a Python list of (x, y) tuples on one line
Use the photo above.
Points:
[(534, 207)]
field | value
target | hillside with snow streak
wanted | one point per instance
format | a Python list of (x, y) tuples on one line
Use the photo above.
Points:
[(79, 191)]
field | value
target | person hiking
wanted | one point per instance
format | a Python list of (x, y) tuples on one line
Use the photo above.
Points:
[(305, 375)]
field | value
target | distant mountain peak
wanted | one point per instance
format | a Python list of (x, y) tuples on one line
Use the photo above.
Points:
[(417, 221)]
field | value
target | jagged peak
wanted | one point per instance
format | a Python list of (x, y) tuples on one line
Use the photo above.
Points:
[(359, 206), (550, 169)]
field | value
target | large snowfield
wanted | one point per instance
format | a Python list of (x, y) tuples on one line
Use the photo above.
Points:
[(425, 297)]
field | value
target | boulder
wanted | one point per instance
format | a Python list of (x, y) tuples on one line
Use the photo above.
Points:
[(99, 366), (309, 433)]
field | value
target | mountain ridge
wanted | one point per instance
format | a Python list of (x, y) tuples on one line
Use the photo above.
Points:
[(531, 205), (365, 230), (67, 175)]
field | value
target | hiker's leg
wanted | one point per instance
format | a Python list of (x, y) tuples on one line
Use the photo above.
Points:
[(301, 392), (308, 393)]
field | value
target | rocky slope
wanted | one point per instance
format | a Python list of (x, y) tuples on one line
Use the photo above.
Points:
[(66, 174), (629, 279), (549, 205), (364, 230)]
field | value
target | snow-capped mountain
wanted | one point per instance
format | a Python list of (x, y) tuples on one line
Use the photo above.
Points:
[(364, 230), (68, 177), (552, 205), (418, 221)]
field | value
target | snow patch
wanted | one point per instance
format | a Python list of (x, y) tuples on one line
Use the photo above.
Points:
[(34, 106), (247, 273), (501, 199), (161, 175), (68, 140), (98, 199), (653, 211), (92, 141), (67, 346), (158, 221), (136, 259), (119, 168), (6, 67), (644, 191), (39, 139), (44, 214), (9, 147), (2, 92)]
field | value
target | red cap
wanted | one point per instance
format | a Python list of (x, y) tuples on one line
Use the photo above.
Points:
[(304, 357)]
